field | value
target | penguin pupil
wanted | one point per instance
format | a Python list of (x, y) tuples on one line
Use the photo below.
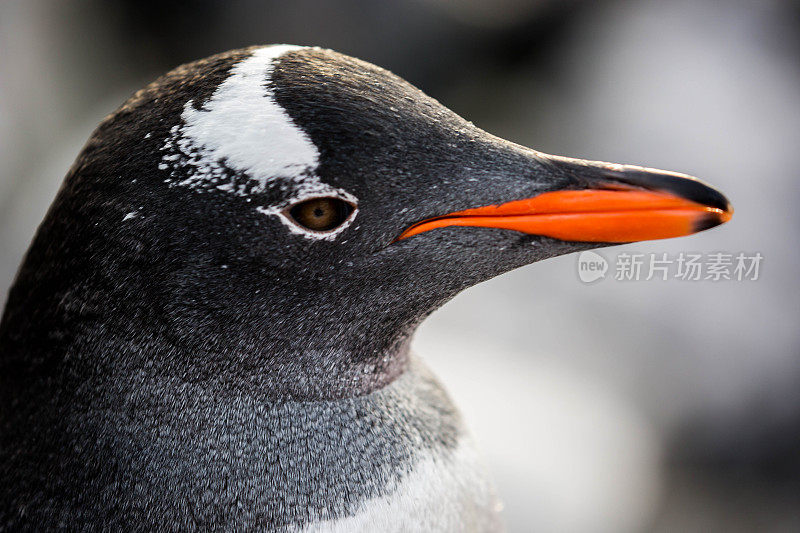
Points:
[(321, 214)]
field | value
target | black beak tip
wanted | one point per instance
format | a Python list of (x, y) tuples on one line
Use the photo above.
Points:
[(708, 221), (701, 193), (687, 187)]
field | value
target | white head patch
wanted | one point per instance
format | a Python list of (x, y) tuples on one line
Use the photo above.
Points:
[(242, 142)]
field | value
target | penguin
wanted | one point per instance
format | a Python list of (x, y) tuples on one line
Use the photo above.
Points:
[(211, 328)]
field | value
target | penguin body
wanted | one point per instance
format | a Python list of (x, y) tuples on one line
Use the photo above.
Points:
[(211, 328), (181, 456)]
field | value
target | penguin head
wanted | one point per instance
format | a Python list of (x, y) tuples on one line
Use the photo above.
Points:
[(293, 213)]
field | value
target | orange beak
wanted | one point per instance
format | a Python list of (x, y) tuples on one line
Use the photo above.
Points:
[(615, 215)]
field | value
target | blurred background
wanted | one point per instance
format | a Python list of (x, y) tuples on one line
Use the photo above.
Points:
[(619, 407)]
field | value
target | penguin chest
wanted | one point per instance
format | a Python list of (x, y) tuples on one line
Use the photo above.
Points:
[(397, 459), (442, 491), (410, 466)]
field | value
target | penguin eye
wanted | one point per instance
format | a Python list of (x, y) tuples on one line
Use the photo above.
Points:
[(321, 214)]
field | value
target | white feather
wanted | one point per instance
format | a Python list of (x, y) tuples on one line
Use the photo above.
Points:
[(243, 127), (445, 491)]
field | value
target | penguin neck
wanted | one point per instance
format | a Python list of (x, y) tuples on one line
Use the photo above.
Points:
[(202, 323), (281, 334)]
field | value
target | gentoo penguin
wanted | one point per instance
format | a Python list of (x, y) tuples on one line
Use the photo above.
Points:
[(211, 327)]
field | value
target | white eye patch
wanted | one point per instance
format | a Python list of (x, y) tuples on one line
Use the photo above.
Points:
[(242, 128)]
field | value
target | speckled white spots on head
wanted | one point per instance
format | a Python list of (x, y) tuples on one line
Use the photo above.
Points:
[(242, 125), (242, 142)]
